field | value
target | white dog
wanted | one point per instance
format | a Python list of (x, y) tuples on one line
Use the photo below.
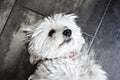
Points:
[(55, 46)]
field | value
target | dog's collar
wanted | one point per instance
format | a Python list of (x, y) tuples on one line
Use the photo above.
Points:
[(72, 55)]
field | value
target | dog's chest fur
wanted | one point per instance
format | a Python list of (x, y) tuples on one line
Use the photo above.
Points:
[(81, 68), (59, 69), (63, 69)]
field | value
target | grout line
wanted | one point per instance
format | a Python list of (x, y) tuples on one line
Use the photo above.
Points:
[(32, 10), (8, 18), (87, 34), (99, 25)]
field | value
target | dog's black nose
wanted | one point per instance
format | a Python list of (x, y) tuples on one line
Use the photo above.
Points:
[(67, 32)]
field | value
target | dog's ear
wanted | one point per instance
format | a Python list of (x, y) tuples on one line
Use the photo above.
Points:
[(29, 29), (28, 32)]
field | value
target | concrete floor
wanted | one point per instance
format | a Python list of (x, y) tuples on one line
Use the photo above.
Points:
[(99, 20)]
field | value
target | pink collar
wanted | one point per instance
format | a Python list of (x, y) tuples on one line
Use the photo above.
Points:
[(72, 54)]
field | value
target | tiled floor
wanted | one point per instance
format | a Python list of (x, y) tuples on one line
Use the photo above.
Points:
[(107, 42), (102, 32)]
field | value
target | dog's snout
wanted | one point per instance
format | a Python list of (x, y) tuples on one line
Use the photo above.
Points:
[(67, 32)]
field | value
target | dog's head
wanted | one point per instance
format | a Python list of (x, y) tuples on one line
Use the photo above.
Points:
[(57, 36)]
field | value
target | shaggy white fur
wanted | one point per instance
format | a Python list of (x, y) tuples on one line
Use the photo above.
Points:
[(60, 40)]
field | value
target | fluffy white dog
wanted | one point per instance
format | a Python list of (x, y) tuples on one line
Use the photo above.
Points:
[(55, 46)]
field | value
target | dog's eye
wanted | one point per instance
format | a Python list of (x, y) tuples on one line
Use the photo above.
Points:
[(51, 32)]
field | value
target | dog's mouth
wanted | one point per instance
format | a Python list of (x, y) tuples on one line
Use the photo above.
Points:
[(66, 41)]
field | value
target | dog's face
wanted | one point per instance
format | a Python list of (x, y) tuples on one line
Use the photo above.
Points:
[(56, 36)]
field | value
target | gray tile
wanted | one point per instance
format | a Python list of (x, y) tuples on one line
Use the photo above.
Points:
[(107, 42), (13, 55), (5, 9), (90, 14), (44, 7), (67, 5)]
